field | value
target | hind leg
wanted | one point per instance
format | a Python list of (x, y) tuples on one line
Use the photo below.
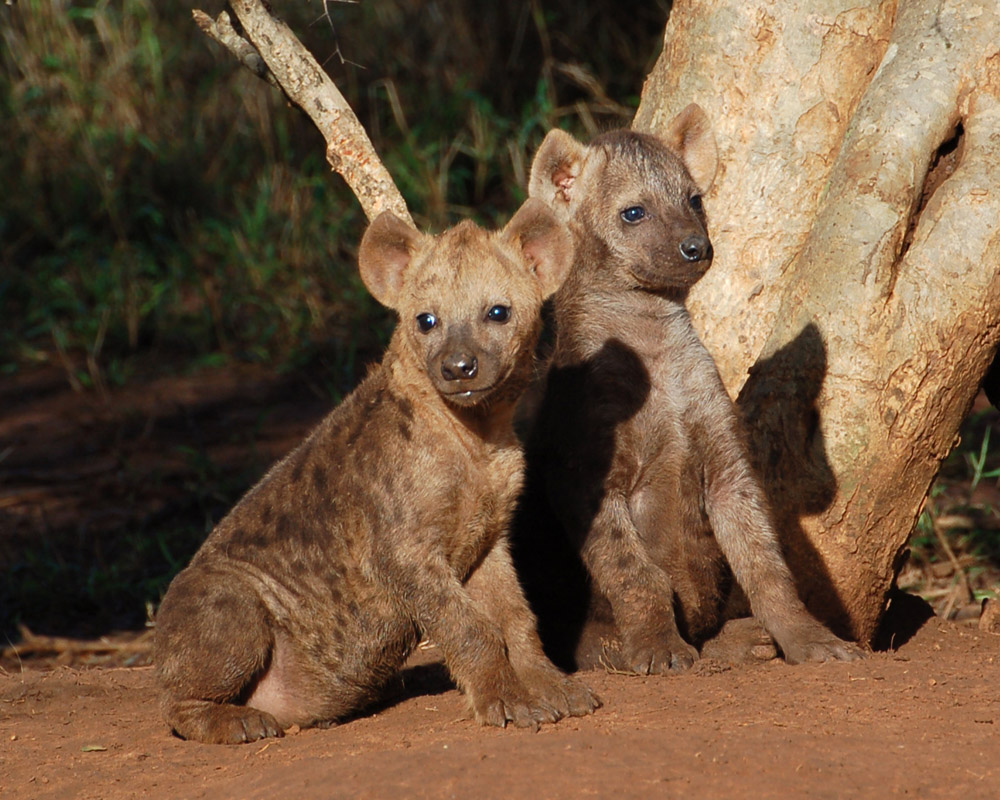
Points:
[(213, 640)]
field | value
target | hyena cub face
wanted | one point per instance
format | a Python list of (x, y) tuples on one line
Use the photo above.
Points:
[(641, 200), (468, 314)]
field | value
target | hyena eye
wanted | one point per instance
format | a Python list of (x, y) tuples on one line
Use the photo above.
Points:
[(426, 322), (695, 201), (498, 314), (633, 214)]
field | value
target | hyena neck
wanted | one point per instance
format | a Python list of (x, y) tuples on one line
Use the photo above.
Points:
[(489, 423), (589, 313), (593, 270)]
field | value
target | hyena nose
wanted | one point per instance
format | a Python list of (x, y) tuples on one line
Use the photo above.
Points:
[(459, 366), (696, 248)]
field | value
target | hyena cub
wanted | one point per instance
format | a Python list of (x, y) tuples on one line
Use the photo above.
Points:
[(390, 520), (641, 451)]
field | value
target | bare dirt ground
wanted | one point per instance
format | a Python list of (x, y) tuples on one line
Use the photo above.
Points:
[(86, 483), (922, 721)]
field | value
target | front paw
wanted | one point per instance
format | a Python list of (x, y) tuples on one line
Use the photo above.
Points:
[(816, 643), (569, 696), (652, 655), (512, 704)]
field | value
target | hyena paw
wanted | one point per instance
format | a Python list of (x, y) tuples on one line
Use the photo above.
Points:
[(654, 655), (819, 644), (227, 724), (513, 705), (741, 641), (568, 695)]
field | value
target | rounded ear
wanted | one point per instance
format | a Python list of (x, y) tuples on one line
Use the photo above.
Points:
[(554, 170), (386, 250), (690, 136), (546, 243)]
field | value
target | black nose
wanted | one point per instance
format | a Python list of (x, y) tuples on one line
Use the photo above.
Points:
[(459, 366), (696, 248)]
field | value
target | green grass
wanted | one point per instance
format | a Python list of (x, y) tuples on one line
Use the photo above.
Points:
[(160, 198), (955, 546)]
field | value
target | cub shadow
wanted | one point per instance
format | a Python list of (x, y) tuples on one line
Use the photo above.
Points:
[(779, 408), (589, 400), (414, 680)]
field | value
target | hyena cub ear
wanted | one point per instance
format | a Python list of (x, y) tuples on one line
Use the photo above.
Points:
[(555, 172), (545, 242), (386, 250), (690, 136)]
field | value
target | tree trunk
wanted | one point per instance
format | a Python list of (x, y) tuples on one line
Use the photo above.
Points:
[(853, 306)]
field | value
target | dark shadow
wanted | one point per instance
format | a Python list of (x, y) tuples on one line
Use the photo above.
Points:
[(906, 614), (421, 680), (552, 573), (570, 454), (414, 680), (778, 403), (991, 381)]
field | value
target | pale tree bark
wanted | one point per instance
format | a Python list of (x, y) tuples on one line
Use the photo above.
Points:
[(853, 305)]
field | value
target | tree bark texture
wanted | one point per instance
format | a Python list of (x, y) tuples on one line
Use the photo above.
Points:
[(854, 302)]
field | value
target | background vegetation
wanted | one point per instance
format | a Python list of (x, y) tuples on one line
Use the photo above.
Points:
[(160, 199)]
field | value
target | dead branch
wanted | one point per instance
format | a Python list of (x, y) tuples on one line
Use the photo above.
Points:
[(269, 49), (34, 645)]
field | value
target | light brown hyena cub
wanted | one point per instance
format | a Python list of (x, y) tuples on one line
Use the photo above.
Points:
[(638, 448), (390, 521)]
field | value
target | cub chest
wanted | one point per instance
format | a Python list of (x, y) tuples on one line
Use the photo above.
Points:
[(483, 501)]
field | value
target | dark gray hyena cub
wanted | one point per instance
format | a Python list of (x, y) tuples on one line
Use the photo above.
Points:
[(639, 449), (390, 520)]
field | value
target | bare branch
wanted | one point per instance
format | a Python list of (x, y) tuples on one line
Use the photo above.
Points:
[(222, 31), (270, 50)]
